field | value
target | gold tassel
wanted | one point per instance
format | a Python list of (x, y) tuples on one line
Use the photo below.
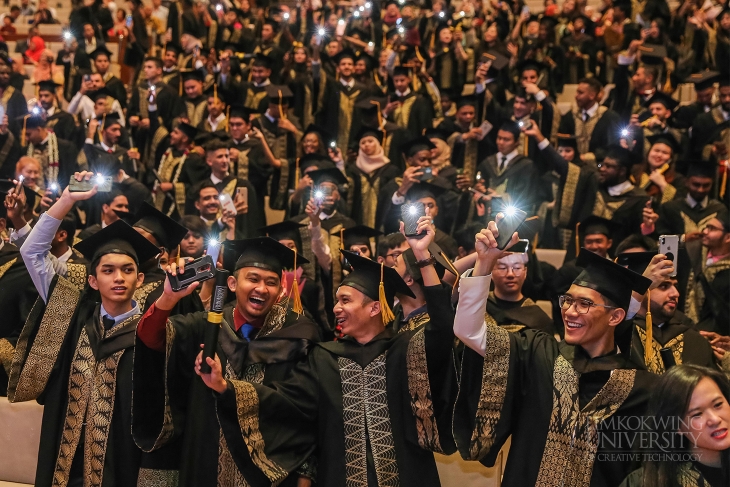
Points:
[(380, 115), (297, 174), (215, 91), (228, 118), (101, 127), (668, 88), (723, 184), (385, 312), (342, 239), (22, 135), (453, 269), (180, 90), (577, 239), (432, 44), (281, 109), (296, 299), (648, 345)]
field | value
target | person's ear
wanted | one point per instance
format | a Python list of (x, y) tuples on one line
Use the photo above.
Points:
[(232, 283), (616, 317), (374, 308), (197, 205), (140, 279), (610, 243), (93, 282), (61, 236)]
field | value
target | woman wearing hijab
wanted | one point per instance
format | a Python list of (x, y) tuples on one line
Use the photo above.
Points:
[(36, 46)]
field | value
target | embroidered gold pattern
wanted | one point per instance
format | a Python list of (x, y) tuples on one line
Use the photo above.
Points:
[(143, 292), (157, 478), (248, 420), (567, 199), (572, 440), (493, 391), (28, 377), (420, 390), (76, 274), (365, 404), (6, 354), (690, 226), (676, 345), (414, 322), (688, 475)]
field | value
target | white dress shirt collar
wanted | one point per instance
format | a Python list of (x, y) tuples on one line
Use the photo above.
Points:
[(692, 203), (620, 189)]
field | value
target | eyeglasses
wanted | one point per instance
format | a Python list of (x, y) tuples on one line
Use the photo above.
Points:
[(713, 228), (517, 269), (607, 165), (394, 255), (582, 306)]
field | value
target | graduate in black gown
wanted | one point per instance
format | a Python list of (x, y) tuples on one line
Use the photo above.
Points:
[(552, 398), (261, 340), (75, 357), (365, 402), (673, 339)]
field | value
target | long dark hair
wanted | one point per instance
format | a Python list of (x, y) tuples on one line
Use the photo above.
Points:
[(668, 404)]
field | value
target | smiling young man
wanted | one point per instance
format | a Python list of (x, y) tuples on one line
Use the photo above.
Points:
[(260, 340), (365, 401), (551, 397), (75, 356)]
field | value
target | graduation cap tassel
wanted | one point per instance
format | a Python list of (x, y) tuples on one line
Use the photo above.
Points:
[(228, 117), (101, 127), (342, 238), (22, 134), (385, 312), (215, 91), (180, 90), (297, 174), (577, 239), (648, 345), (281, 109), (723, 183), (296, 299), (453, 269)]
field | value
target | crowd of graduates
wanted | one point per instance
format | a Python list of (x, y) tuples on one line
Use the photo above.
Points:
[(289, 142)]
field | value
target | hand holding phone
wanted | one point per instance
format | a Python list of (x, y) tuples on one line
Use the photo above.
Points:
[(507, 226), (410, 215), (199, 270), (669, 246)]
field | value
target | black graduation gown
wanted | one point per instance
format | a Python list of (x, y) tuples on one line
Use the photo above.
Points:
[(708, 290), (605, 132), (324, 402), (252, 166), (677, 217), (678, 335), (17, 295), (518, 184), (701, 475), (414, 115), (546, 395), (67, 160), (10, 153), (153, 287), (388, 215), (62, 347), (169, 379), (15, 107), (336, 108), (283, 145), (115, 86), (626, 210), (363, 190), (169, 104), (524, 314)]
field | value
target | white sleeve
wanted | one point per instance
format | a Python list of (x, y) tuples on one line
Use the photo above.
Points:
[(398, 199), (543, 144), (17, 237), (74, 104), (634, 307), (469, 326), (320, 248), (36, 251)]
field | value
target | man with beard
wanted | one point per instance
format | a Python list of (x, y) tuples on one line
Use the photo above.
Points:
[(82, 104), (11, 100), (60, 121), (632, 92), (673, 339), (267, 46), (593, 125), (204, 198), (113, 204), (261, 340), (57, 156), (251, 94), (409, 110), (104, 133)]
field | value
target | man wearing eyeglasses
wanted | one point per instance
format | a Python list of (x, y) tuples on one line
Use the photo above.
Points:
[(709, 281), (566, 405), (511, 309)]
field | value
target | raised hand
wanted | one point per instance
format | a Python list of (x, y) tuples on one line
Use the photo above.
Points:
[(420, 245), (486, 247), (169, 298), (659, 270), (215, 379)]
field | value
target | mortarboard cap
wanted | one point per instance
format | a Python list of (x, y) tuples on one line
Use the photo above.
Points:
[(636, 261), (414, 146), (278, 94), (109, 119), (344, 54), (653, 53), (164, 229), (441, 265), (376, 281), (286, 230), (594, 225), (99, 51), (497, 59), (316, 161), (48, 85), (33, 121), (5, 186), (533, 64), (263, 61), (701, 168), (610, 279), (467, 100), (316, 129), (401, 71), (188, 130), (173, 46), (665, 138), (264, 253), (359, 235), (621, 155), (437, 133), (567, 140), (239, 111), (703, 80), (664, 99), (117, 238), (367, 131), (193, 75), (329, 175), (100, 94), (100, 161)]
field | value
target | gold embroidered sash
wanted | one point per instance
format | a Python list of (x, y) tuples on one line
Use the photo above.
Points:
[(420, 391), (676, 345)]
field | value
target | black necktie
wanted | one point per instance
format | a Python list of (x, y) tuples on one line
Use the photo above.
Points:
[(585, 115), (108, 322), (501, 159), (698, 207)]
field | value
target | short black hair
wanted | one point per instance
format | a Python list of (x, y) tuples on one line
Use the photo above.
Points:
[(593, 83), (634, 241), (154, 59), (15, 8), (214, 145), (108, 198), (194, 224), (68, 224), (206, 183), (388, 243)]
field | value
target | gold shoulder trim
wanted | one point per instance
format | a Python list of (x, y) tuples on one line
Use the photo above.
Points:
[(567, 199), (247, 401), (29, 375), (420, 391), (676, 345), (6, 354), (76, 275), (143, 292), (157, 478)]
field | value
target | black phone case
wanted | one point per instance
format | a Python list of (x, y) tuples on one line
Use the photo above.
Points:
[(199, 270), (410, 220), (509, 225)]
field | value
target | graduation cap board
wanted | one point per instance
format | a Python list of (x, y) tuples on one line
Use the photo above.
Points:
[(663, 98), (193, 75), (636, 261), (376, 281), (611, 280), (164, 229), (498, 60), (101, 50), (703, 80), (653, 53), (665, 138), (286, 230), (442, 264), (264, 253), (117, 238), (188, 130), (330, 175), (315, 161), (414, 146), (425, 190), (359, 235), (48, 85), (567, 140)]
